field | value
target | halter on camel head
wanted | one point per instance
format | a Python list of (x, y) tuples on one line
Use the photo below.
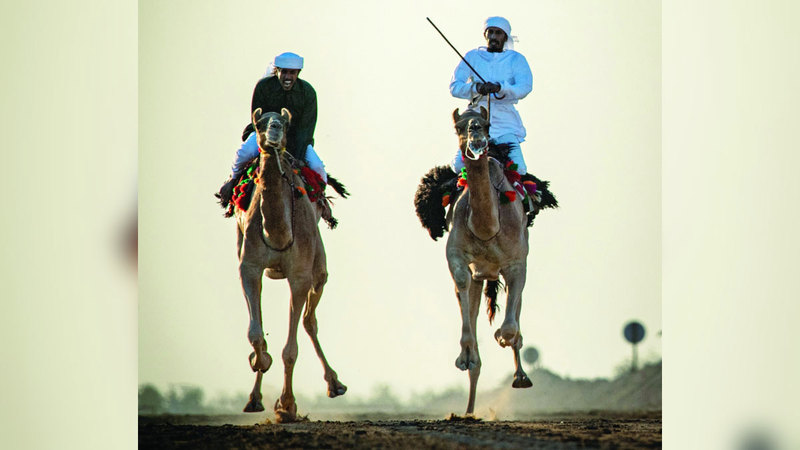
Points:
[(473, 132), (271, 131)]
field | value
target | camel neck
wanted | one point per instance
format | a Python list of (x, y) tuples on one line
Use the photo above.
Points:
[(483, 218), (276, 206)]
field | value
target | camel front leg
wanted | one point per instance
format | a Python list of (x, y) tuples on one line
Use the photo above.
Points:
[(508, 334), (335, 387), (255, 405), (475, 291), (468, 358), (250, 275), (285, 406)]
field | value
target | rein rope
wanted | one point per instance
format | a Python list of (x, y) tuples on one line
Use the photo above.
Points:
[(291, 196)]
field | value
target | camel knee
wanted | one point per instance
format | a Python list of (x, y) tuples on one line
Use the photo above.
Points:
[(461, 277), (249, 271), (255, 334)]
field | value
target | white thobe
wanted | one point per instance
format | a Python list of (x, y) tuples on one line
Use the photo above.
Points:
[(511, 70)]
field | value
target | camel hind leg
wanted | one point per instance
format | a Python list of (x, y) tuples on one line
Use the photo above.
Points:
[(521, 379), (509, 333), (335, 387)]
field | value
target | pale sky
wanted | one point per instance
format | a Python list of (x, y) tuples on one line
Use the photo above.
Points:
[(388, 314)]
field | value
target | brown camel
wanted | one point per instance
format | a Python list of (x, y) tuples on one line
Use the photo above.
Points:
[(278, 235), (487, 239)]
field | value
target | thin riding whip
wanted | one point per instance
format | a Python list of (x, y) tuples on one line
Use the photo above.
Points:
[(488, 97), (454, 49)]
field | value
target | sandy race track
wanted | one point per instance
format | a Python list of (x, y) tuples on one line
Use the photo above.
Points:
[(595, 429)]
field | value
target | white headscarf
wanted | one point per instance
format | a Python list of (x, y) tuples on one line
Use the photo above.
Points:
[(287, 60), (503, 24)]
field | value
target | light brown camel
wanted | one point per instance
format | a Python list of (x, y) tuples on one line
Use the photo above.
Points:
[(487, 239), (278, 235)]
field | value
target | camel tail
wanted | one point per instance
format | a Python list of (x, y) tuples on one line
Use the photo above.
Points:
[(490, 291)]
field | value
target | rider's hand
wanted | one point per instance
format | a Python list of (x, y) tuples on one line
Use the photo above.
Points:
[(487, 88), (492, 87)]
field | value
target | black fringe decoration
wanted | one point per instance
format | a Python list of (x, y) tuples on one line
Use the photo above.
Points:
[(428, 199), (338, 187), (332, 222)]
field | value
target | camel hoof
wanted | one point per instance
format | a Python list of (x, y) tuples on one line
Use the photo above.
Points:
[(263, 364), (285, 415), (253, 406), (461, 364), (465, 362), (464, 365), (521, 381), (337, 390)]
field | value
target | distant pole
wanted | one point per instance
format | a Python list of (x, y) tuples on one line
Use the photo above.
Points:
[(634, 333), (530, 355)]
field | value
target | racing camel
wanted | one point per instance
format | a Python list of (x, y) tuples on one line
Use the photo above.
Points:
[(278, 236), (488, 238)]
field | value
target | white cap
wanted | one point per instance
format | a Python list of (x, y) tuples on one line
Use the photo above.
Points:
[(503, 24), (498, 22), (288, 60)]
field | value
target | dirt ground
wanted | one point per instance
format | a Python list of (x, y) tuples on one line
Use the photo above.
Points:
[(595, 429)]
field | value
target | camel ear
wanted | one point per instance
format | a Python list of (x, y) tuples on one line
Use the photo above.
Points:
[(256, 115), (286, 115), (456, 116), (484, 113)]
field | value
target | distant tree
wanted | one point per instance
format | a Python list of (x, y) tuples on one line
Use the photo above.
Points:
[(189, 400), (383, 398), (150, 400), (192, 399)]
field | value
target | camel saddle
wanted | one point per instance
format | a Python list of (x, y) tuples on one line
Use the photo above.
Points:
[(313, 187), (441, 187)]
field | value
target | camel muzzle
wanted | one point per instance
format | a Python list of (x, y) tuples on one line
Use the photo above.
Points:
[(476, 148)]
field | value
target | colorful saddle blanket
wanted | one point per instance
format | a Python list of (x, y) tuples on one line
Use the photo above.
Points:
[(441, 187), (313, 187)]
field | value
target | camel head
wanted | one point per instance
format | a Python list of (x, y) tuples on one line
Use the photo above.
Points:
[(472, 128), (271, 128)]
